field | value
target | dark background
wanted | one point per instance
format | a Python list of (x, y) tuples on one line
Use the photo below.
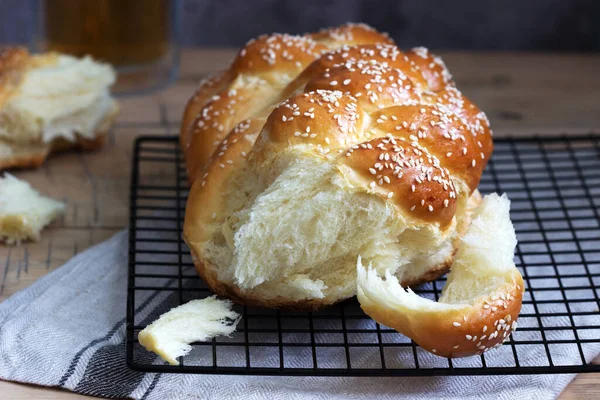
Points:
[(534, 25)]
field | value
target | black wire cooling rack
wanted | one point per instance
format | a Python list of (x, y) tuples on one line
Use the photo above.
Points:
[(554, 186)]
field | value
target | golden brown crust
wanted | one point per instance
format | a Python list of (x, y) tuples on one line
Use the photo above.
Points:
[(431, 67), (208, 88), (200, 215), (256, 81), (443, 134), (352, 34), (13, 61), (271, 55), (462, 332), (408, 176)]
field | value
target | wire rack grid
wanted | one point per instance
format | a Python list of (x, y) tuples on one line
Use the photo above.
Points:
[(554, 186)]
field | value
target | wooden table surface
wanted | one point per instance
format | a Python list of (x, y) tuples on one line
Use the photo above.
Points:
[(521, 93)]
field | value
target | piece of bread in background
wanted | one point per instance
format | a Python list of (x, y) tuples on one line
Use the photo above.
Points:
[(51, 102), (23, 211)]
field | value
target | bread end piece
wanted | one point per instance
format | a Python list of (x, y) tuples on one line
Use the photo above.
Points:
[(196, 321), (23, 211), (480, 303), (52, 103)]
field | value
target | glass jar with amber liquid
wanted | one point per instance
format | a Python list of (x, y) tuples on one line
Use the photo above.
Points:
[(138, 37)]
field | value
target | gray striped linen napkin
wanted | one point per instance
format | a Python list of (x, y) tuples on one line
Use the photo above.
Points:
[(68, 330)]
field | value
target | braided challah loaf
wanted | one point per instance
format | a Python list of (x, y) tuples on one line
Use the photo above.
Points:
[(312, 151)]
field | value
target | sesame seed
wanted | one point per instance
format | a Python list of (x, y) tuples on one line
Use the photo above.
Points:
[(456, 323), (468, 337), (413, 208), (433, 350), (485, 328), (430, 208), (455, 347), (473, 163), (390, 195), (347, 81), (333, 83)]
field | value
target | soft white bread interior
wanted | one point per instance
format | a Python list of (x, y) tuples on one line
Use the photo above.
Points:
[(196, 321), (480, 302), (23, 211), (59, 102), (292, 240)]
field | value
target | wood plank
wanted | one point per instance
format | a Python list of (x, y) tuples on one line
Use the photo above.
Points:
[(522, 93)]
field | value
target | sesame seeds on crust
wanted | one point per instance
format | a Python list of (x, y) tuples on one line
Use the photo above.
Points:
[(414, 177), (371, 107)]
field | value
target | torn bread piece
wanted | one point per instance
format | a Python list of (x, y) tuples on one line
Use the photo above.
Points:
[(197, 321), (23, 211), (480, 302), (51, 102)]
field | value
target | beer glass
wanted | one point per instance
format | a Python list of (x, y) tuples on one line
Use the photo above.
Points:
[(138, 37)]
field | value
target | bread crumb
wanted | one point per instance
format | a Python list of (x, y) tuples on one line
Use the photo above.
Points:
[(23, 211), (196, 321)]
